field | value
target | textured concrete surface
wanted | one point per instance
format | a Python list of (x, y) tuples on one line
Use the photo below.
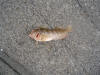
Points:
[(78, 54)]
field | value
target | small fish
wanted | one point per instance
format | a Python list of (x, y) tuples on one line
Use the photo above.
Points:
[(45, 34)]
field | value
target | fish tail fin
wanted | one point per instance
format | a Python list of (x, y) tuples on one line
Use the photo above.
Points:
[(69, 28)]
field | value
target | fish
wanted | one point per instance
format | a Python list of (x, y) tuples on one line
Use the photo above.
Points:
[(46, 34)]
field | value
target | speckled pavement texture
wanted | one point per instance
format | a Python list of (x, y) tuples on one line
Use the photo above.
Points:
[(78, 54)]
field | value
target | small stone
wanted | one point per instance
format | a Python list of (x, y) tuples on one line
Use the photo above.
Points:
[(1, 49)]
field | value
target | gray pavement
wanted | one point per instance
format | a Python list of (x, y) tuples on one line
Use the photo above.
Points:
[(78, 54)]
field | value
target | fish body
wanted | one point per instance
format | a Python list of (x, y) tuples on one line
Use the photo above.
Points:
[(45, 34)]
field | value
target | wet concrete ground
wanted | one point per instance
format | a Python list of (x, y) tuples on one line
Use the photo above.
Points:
[(78, 54)]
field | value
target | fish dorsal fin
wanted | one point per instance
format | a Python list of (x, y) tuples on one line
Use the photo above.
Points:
[(69, 28), (42, 27), (58, 27)]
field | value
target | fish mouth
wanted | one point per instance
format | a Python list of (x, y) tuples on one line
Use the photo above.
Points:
[(30, 35)]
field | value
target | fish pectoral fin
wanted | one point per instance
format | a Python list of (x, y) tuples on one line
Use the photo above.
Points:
[(44, 37)]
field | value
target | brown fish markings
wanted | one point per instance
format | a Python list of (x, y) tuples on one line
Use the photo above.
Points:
[(45, 34)]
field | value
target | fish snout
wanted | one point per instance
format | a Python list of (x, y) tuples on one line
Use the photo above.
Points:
[(30, 35)]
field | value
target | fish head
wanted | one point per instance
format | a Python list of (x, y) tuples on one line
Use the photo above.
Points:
[(35, 34)]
